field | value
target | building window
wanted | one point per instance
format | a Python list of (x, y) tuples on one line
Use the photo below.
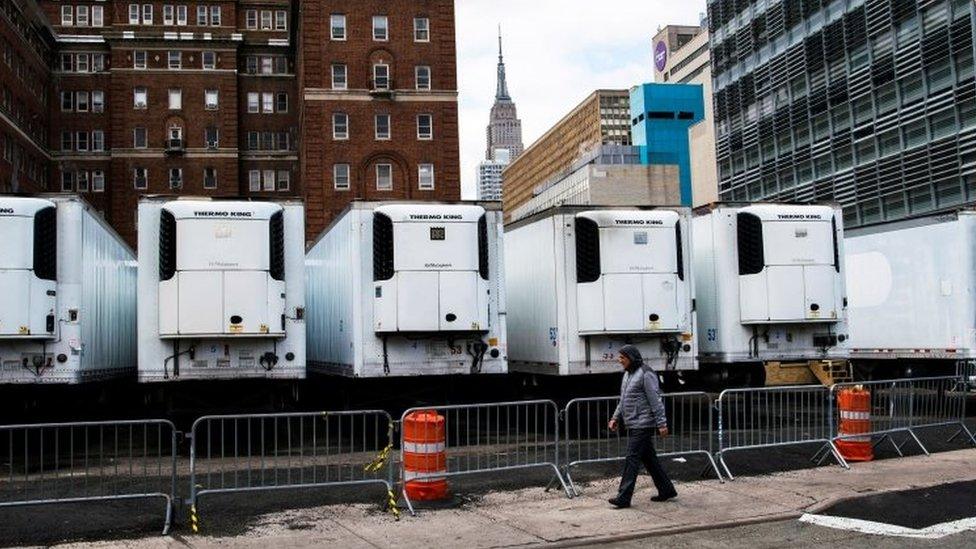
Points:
[(340, 177), (98, 140), (214, 16), (133, 14), (425, 177), (423, 77), (140, 178), (425, 127), (67, 102), (209, 60), (267, 102), (283, 140), (284, 180), (339, 77), (181, 15), (384, 177), (98, 101), (252, 141), (421, 29), (338, 24), (340, 126), (82, 16), (82, 180), (140, 98), (98, 16), (175, 178), (281, 20), (81, 62), (98, 181), (382, 127), (67, 16), (381, 76), (175, 59), (254, 181), (139, 140), (201, 16), (81, 141), (210, 100), (67, 142), (252, 19), (67, 62), (139, 59), (67, 181), (81, 101), (381, 28), (175, 99), (265, 20), (147, 14), (210, 136), (167, 15), (268, 180), (253, 105), (209, 178), (98, 62), (281, 104)]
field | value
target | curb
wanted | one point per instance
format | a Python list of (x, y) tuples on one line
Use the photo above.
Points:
[(673, 530)]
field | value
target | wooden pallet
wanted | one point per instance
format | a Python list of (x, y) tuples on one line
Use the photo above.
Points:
[(826, 372)]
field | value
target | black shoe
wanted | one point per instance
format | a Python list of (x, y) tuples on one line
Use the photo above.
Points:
[(619, 504), (664, 497)]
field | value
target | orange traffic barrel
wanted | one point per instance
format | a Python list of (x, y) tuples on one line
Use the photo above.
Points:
[(424, 456), (854, 431)]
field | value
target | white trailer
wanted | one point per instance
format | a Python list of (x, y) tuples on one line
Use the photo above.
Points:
[(221, 290), (770, 283), (67, 294), (585, 280), (912, 289), (408, 289)]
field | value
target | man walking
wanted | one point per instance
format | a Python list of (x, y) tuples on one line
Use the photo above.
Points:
[(641, 410)]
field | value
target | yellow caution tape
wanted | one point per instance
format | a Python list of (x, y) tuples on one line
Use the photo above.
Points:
[(378, 462), (391, 504), (194, 520)]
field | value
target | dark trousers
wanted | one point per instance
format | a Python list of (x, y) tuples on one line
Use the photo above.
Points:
[(640, 449)]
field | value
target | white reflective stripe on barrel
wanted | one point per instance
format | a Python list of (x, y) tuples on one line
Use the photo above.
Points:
[(422, 448), (425, 477), (857, 416)]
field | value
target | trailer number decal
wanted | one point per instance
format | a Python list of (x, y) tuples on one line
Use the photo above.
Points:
[(712, 334), (553, 336)]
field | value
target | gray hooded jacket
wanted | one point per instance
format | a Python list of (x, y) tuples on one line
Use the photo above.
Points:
[(641, 405)]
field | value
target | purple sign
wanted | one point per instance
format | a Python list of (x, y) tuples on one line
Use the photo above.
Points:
[(661, 56)]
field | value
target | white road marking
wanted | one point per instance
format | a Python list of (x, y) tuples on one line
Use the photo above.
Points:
[(936, 531)]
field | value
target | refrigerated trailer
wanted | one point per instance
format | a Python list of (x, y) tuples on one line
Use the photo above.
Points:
[(584, 281), (67, 294), (408, 289), (912, 289), (769, 284), (221, 290)]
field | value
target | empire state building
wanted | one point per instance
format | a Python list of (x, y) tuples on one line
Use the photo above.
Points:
[(504, 126)]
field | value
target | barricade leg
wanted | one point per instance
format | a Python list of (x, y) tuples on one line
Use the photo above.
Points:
[(725, 466), (562, 482)]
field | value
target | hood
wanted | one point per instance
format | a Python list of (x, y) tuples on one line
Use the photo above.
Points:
[(633, 353)]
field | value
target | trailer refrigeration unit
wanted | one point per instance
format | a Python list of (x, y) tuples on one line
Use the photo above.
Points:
[(67, 294), (408, 289), (222, 291), (770, 285), (583, 281), (912, 288)]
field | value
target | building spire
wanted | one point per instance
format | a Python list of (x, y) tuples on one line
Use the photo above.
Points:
[(501, 93)]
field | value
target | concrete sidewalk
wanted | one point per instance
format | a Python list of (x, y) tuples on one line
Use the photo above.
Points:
[(532, 517)]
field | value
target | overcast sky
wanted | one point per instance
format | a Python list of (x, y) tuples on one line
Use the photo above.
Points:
[(556, 53)]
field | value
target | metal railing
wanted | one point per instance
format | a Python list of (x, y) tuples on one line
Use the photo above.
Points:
[(775, 416), (485, 438), (587, 438), (907, 405), (58, 463), (247, 453)]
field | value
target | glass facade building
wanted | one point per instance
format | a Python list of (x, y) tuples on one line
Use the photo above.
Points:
[(868, 103)]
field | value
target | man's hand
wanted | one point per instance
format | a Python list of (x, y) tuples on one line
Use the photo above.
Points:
[(612, 425), (663, 431)]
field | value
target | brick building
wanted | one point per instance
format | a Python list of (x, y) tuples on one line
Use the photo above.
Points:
[(114, 99), (27, 46), (379, 113)]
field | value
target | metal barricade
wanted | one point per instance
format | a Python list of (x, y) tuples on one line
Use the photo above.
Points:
[(587, 439), (58, 463), (486, 438), (247, 453), (906, 405), (768, 417)]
